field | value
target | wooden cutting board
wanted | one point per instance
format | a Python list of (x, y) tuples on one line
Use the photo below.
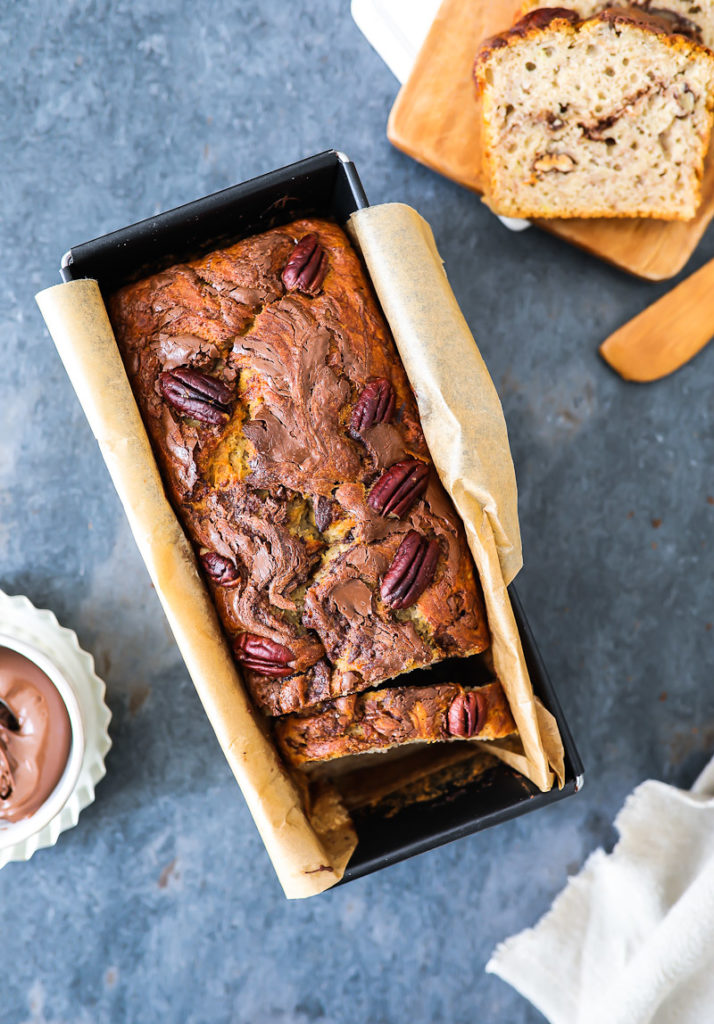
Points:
[(435, 120)]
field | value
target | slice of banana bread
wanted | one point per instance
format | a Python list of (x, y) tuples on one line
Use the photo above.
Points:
[(607, 117), (693, 19), (375, 721)]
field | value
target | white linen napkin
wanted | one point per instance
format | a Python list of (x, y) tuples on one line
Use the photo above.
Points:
[(397, 30), (630, 940)]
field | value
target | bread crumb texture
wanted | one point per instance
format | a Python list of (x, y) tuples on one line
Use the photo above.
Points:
[(607, 117)]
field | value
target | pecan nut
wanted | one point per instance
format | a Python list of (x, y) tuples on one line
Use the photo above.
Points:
[(375, 405), (306, 267), (323, 513), (221, 570), (263, 655), (561, 162), (411, 571), (399, 487), (196, 394), (466, 715)]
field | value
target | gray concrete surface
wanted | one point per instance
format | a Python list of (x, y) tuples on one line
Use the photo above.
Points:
[(161, 905)]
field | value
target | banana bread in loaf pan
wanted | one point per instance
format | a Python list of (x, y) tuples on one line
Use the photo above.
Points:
[(327, 186), (290, 444)]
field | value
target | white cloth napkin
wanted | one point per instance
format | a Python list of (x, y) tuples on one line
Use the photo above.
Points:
[(397, 29), (630, 940)]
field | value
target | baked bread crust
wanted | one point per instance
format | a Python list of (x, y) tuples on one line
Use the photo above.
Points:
[(257, 397), (533, 21), (575, 151), (376, 721), (696, 21)]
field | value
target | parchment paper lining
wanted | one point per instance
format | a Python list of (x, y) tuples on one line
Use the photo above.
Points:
[(305, 861), (466, 433), (470, 451)]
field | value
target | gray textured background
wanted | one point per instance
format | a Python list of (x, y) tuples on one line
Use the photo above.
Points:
[(161, 905)]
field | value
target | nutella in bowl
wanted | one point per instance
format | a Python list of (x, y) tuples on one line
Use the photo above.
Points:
[(42, 740), (35, 736)]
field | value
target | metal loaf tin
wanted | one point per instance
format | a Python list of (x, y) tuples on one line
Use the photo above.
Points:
[(327, 185)]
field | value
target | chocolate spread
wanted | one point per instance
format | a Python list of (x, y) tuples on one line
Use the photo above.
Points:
[(35, 742)]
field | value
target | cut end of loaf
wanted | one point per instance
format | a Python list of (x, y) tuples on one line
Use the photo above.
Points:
[(379, 720), (608, 117)]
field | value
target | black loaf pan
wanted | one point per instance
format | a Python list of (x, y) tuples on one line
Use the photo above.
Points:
[(327, 185)]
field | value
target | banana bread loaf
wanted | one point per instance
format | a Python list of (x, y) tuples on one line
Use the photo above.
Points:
[(291, 448), (367, 722), (607, 117)]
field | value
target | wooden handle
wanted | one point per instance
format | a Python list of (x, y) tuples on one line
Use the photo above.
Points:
[(668, 333)]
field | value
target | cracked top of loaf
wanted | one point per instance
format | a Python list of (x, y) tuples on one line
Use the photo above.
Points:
[(291, 448)]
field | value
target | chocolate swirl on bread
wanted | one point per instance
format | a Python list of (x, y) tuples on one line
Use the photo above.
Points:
[(290, 445)]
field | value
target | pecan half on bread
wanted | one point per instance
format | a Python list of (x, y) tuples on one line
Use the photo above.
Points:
[(411, 571), (376, 404), (306, 268), (399, 487), (197, 395)]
